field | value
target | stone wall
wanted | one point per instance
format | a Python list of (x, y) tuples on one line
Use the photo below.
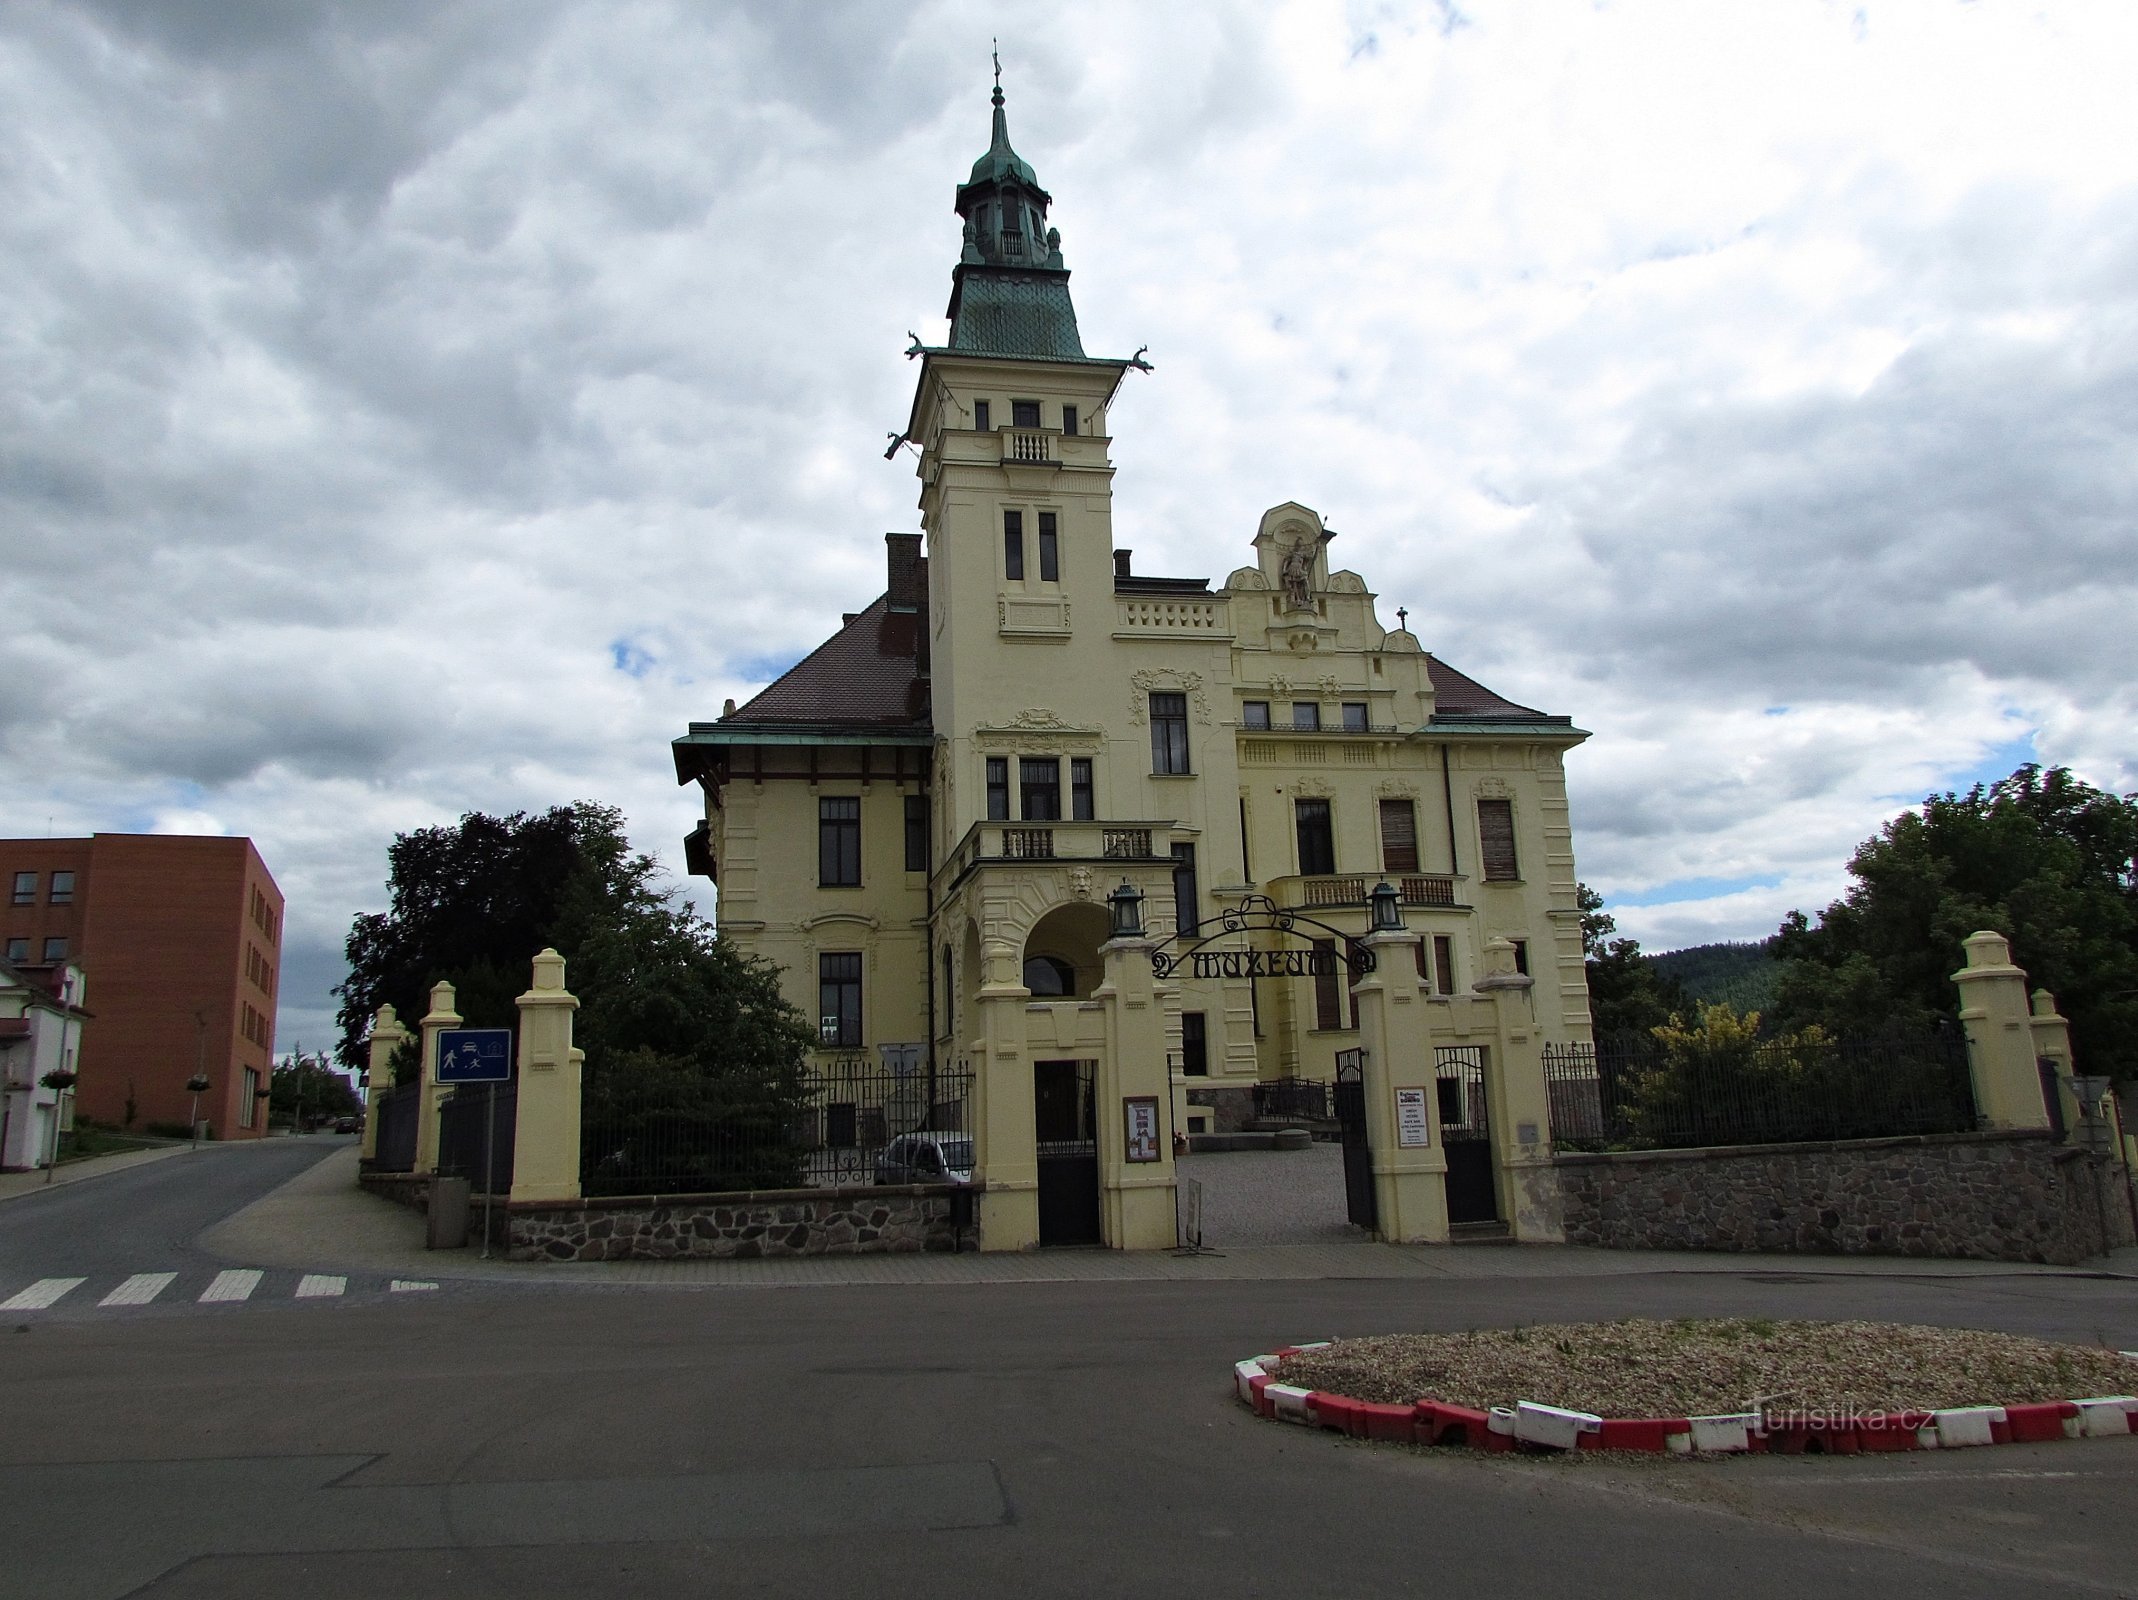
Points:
[(402, 1188), (1229, 1109), (1985, 1197), (797, 1222)]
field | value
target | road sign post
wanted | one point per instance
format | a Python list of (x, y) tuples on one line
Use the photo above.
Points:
[(479, 1055)]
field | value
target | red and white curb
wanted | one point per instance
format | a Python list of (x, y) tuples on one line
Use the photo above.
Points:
[(1553, 1428)]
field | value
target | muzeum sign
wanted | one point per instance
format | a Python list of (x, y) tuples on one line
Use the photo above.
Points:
[(1311, 957)]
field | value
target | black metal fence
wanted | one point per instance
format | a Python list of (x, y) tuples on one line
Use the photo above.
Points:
[(475, 1136), (1305, 1098), (395, 1112), (818, 1126), (1646, 1095)]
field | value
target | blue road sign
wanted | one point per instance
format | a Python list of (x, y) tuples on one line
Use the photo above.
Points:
[(475, 1055)]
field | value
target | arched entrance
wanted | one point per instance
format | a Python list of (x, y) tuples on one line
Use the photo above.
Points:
[(1062, 965)]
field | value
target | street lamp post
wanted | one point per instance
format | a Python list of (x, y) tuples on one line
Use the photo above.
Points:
[(198, 1083)]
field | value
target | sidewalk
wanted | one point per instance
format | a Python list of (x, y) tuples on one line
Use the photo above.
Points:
[(320, 1219), (14, 1185)]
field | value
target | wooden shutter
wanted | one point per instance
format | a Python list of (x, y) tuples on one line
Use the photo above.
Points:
[(1399, 836), (1328, 996), (1495, 838)]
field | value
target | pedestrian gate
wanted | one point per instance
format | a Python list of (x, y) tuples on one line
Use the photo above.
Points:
[(1360, 1203)]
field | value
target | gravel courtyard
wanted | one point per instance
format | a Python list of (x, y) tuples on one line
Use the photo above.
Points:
[(1273, 1196)]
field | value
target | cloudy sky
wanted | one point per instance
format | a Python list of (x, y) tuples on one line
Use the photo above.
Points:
[(415, 407)]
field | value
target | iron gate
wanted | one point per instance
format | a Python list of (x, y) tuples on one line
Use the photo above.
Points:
[(476, 1133), (395, 1111), (1065, 1124), (1466, 1128), (1360, 1203)]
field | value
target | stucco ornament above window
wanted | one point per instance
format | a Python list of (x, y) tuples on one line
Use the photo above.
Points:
[(1163, 680)]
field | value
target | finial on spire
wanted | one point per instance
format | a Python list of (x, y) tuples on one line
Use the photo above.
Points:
[(1402, 619), (998, 70)]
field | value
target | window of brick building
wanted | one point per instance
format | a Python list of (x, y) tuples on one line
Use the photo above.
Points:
[(25, 888), (62, 892)]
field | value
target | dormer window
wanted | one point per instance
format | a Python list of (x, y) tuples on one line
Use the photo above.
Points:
[(1024, 413)]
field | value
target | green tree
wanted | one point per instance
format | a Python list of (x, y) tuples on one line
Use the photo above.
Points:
[(474, 904), (312, 1084), (1627, 995), (2041, 857)]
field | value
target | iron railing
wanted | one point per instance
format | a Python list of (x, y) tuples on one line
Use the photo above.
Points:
[(395, 1111), (1645, 1095), (475, 1135), (1295, 1097), (818, 1125)]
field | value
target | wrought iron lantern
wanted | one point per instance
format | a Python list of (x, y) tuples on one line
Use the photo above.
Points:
[(1387, 908), (1126, 903)]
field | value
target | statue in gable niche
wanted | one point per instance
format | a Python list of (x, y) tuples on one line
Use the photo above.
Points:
[(1297, 576)]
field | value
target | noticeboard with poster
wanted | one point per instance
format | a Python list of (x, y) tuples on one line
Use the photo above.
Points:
[(1139, 1114), (1412, 1127)]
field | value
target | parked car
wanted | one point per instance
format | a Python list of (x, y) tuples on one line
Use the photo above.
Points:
[(348, 1125), (926, 1158)]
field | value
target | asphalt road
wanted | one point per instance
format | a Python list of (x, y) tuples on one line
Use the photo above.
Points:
[(986, 1439)]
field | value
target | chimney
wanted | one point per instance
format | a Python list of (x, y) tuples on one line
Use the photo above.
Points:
[(908, 574), (1121, 563)]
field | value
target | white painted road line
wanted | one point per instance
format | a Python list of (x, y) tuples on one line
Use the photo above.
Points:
[(140, 1289), (400, 1285), (236, 1284), (315, 1284), (42, 1294)]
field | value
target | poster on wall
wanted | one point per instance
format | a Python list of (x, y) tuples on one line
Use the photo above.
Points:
[(1412, 1129), (1140, 1112)]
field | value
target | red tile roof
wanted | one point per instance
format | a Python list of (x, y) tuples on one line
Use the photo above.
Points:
[(1458, 695), (868, 673)]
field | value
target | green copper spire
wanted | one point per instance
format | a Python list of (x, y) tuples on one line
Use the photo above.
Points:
[(1010, 293)]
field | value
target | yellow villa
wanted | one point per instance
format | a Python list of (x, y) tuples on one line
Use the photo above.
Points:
[(1123, 848)]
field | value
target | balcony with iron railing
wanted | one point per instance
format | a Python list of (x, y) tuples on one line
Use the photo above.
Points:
[(1420, 890), (1029, 843)]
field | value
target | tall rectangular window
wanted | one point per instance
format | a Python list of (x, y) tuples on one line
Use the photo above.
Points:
[(62, 893), (248, 1099), (1187, 893), (1081, 799), (1013, 546), (1024, 413), (25, 888), (1069, 420), (981, 421), (1328, 989), (998, 788), (916, 833), (1194, 1045), (1039, 788), (18, 949), (1306, 716), (1317, 837), (1050, 564), (1443, 964), (1521, 956), (1254, 713), (1399, 836), (55, 949), (839, 841), (839, 999), (1247, 863), (1495, 839), (1169, 733), (1354, 716)]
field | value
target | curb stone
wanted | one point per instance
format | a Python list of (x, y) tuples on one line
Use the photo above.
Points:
[(1555, 1428)]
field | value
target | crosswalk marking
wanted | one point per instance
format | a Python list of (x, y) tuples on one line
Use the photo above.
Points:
[(236, 1284), (407, 1285), (315, 1284), (43, 1293), (140, 1289)]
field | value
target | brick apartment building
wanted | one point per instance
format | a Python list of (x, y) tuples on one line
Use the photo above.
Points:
[(181, 941)]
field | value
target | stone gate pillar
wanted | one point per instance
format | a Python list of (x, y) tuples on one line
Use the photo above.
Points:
[(440, 1017), (2000, 1037), (545, 1142), (1006, 1145), (1409, 1181), (1519, 1104), (1136, 1197), (387, 1036)]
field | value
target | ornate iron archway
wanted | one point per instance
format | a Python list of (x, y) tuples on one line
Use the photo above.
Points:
[(1257, 913)]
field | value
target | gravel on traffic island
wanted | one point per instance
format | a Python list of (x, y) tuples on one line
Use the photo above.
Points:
[(1705, 1367)]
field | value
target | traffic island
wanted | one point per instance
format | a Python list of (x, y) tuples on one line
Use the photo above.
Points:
[(1700, 1386)]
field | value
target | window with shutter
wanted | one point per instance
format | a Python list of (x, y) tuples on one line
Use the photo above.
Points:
[(1328, 991), (1399, 836), (1495, 838)]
